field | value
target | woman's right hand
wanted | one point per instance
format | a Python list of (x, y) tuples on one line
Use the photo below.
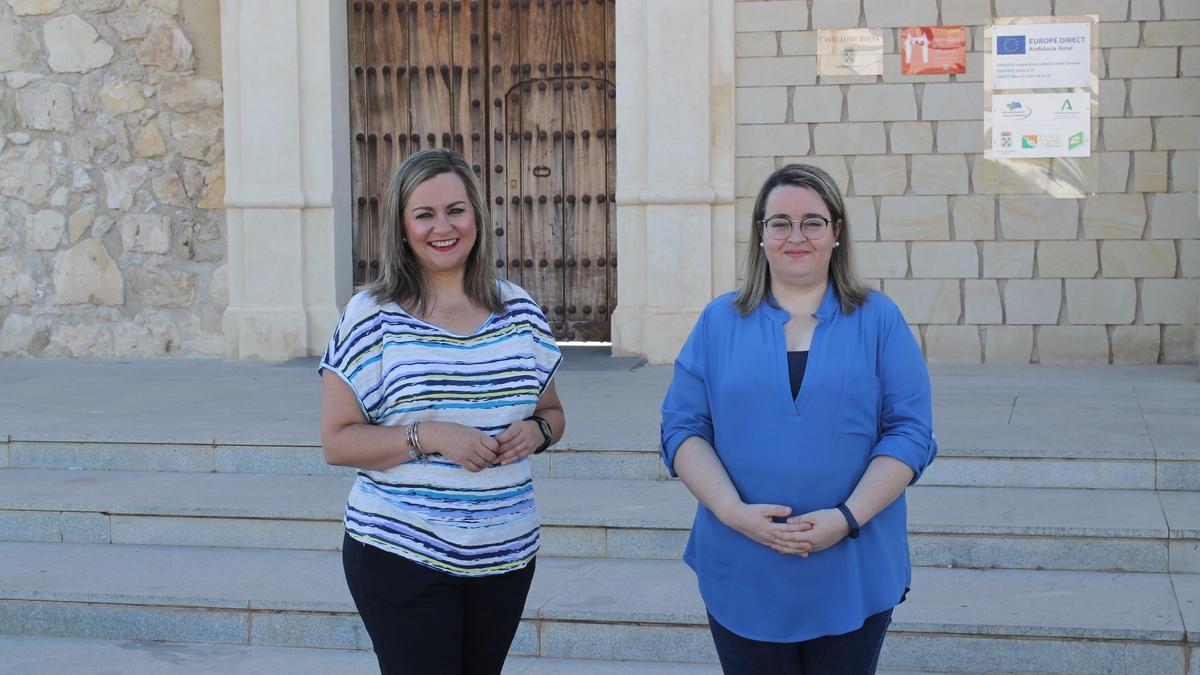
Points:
[(466, 446), (756, 521)]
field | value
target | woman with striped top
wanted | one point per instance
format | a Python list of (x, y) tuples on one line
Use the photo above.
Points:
[(437, 387)]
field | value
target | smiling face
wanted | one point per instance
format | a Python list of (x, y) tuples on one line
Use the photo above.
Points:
[(439, 224), (798, 261)]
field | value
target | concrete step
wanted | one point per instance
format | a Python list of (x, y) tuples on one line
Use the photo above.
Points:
[(1017, 528), (39, 655), (649, 610), (1066, 460)]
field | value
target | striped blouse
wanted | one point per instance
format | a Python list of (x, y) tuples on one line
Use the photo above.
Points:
[(404, 370)]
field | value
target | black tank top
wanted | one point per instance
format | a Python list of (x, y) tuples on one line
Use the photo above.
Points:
[(797, 362)]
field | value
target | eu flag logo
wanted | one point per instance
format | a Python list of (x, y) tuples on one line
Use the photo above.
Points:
[(1010, 44)]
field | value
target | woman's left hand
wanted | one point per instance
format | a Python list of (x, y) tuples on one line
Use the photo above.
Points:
[(823, 529), (518, 441)]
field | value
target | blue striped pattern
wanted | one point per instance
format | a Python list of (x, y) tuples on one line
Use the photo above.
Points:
[(403, 370)]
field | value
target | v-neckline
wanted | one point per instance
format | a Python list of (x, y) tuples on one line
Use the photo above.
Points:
[(778, 317), (783, 378)]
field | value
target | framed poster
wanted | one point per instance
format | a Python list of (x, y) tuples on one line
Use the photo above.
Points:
[(850, 51), (1041, 96), (933, 50)]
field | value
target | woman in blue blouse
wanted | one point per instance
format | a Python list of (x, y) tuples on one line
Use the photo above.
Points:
[(798, 413)]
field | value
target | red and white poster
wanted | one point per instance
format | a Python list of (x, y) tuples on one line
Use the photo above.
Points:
[(933, 50)]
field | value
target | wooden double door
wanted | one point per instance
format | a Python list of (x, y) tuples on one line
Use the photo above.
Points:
[(524, 90)]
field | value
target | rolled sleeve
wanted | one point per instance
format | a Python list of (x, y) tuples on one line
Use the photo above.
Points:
[(685, 410), (906, 419)]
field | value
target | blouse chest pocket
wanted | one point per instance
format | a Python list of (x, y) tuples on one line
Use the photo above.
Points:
[(859, 404)]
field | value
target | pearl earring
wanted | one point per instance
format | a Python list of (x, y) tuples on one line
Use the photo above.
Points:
[(761, 245), (837, 244)]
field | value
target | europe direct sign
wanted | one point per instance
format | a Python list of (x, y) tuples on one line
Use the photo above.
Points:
[(1041, 56)]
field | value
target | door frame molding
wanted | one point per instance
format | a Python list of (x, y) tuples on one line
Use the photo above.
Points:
[(287, 156), (675, 173)]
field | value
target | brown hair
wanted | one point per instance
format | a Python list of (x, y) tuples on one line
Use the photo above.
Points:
[(851, 291), (401, 278)]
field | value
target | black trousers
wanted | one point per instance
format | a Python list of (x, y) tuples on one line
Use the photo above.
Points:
[(425, 622), (854, 653)]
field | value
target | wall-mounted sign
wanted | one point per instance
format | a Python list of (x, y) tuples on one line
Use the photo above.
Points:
[(933, 50), (1041, 56), (1041, 125), (850, 51)]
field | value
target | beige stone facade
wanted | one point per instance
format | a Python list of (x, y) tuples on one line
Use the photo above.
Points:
[(984, 270), (112, 227)]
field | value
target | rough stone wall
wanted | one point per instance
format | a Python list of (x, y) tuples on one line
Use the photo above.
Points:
[(982, 276), (112, 232)]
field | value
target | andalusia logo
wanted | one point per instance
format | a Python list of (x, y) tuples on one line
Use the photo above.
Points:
[(1029, 141), (1075, 140)]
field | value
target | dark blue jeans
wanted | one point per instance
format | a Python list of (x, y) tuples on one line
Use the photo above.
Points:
[(854, 653)]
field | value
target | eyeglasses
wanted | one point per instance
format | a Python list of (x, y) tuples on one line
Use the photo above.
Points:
[(780, 228)]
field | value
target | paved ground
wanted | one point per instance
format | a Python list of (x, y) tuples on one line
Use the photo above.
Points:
[(1153, 411)]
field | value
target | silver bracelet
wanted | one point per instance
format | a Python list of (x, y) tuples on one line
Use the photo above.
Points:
[(414, 444)]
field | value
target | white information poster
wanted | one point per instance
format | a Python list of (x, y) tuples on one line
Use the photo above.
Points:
[(1041, 56), (850, 51), (1041, 125)]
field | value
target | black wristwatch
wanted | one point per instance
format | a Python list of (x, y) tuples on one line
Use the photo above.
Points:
[(850, 520), (545, 427)]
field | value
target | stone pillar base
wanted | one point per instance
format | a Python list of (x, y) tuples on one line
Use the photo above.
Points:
[(655, 334), (265, 334)]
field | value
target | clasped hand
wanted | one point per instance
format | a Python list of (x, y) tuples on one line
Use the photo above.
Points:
[(474, 450), (798, 535)]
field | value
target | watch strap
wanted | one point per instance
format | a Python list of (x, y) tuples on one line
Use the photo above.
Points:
[(544, 426), (854, 529)]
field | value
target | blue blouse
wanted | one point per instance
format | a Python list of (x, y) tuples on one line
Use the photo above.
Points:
[(865, 394)]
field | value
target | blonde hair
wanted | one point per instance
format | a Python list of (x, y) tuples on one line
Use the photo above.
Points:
[(850, 290), (401, 278)]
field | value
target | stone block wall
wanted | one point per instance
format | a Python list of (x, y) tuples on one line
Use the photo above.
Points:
[(112, 227), (983, 274)]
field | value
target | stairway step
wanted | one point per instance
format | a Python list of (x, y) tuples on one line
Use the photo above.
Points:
[(39, 655), (1071, 529), (183, 454), (977, 462), (42, 655), (531, 665), (592, 609), (1118, 530), (1111, 427)]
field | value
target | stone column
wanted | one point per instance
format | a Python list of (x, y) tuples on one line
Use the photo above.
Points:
[(287, 172), (675, 169)]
